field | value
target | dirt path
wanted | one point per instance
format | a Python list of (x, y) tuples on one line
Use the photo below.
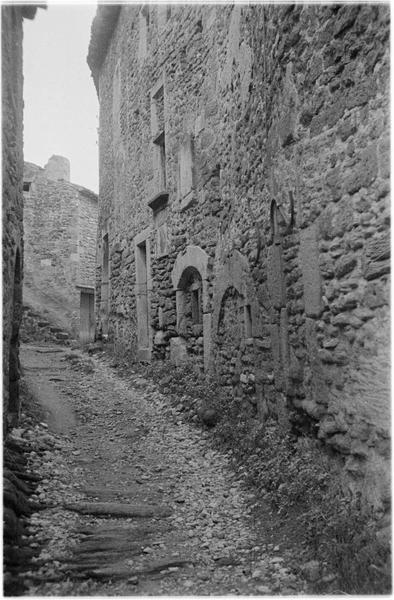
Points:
[(188, 525)]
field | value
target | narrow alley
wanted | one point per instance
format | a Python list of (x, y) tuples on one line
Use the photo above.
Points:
[(196, 299), (138, 501)]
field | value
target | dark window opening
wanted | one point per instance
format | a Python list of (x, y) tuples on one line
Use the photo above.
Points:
[(248, 321), (160, 150), (26, 186)]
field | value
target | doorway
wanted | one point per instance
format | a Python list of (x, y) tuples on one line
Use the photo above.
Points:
[(104, 304), (142, 300), (87, 320)]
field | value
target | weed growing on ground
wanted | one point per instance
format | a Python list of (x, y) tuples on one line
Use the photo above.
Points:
[(295, 476)]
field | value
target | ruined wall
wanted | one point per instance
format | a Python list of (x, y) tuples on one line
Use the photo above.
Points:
[(272, 124), (60, 243), (12, 209)]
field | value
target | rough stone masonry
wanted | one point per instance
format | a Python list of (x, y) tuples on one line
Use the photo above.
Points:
[(244, 207), (60, 222), (12, 197)]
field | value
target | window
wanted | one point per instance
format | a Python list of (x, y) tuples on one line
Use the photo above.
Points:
[(160, 221), (196, 304), (158, 135), (157, 109), (143, 32), (26, 186), (158, 204), (186, 172), (163, 15), (248, 321), (159, 161), (277, 221)]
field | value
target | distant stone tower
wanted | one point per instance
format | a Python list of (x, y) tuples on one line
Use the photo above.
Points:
[(57, 168)]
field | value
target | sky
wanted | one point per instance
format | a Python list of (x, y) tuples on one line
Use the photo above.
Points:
[(61, 105)]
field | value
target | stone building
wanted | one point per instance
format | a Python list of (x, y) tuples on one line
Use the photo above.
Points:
[(12, 196), (244, 207), (60, 221)]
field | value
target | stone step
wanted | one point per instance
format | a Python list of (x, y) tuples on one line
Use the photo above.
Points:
[(62, 335), (118, 510), (121, 570)]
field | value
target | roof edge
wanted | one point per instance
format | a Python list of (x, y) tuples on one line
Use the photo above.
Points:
[(103, 27)]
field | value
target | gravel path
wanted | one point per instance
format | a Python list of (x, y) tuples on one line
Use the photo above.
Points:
[(118, 442)]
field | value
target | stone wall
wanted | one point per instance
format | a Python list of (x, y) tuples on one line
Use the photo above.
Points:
[(251, 143), (60, 243), (12, 209)]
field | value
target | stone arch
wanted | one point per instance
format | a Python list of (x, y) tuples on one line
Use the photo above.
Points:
[(194, 256), (241, 334), (228, 337), (192, 264), (235, 273)]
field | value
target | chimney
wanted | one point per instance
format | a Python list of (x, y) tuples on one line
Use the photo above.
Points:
[(57, 168)]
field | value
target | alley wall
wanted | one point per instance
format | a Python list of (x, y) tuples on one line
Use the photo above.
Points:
[(244, 209), (60, 242), (12, 207)]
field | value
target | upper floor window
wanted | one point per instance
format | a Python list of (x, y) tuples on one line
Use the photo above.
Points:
[(157, 109), (186, 172), (158, 135), (163, 15), (143, 32)]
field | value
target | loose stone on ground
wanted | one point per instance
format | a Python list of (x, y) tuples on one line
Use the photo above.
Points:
[(140, 501)]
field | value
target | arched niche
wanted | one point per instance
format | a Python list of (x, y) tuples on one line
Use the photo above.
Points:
[(234, 273), (190, 281), (194, 256), (190, 285)]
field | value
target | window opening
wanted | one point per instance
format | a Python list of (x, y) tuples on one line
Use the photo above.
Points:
[(185, 172), (143, 32), (158, 135), (196, 304), (248, 321)]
